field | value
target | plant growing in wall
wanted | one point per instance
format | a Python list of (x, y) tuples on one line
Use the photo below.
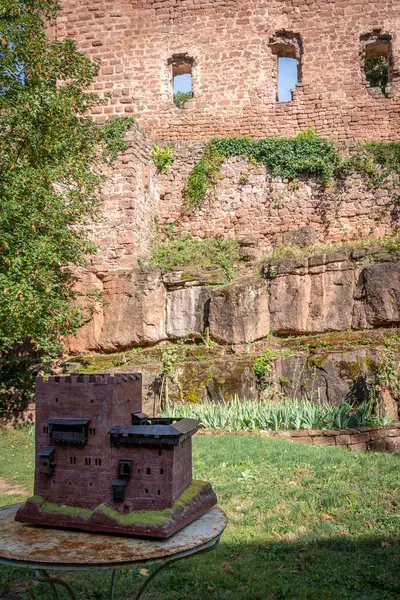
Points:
[(307, 154), (162, 157), (51, 158)]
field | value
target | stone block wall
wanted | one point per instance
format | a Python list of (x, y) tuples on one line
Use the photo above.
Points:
[(129, 198), (248, 202), (233, 45), (383, 439)]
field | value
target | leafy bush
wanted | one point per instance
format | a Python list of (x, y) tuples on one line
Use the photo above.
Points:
[(307, 153), (264, 365), (51, 158), (185, 250), (162, 157), (243, 414), (376, 71), (181, 97)]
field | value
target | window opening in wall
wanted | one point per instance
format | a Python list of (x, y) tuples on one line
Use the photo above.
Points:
[(92, 431), (182, 66), (161, 471), (97, 462), (148, 471), (287, 78), (288, 49), (72, 460), (377, 60), (88, 461)]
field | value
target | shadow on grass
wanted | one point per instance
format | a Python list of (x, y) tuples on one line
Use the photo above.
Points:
[(338, 568)]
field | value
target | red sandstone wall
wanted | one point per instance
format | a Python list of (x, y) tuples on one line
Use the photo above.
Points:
[(234, 76), (248, 203), (129, 197)]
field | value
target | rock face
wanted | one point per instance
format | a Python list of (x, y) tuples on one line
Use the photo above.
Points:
[(132, 313), (239, 312), (382, 292), (333, 292), (187, 311), (328, 292)]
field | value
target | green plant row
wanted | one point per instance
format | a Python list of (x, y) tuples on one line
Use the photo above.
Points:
[(241, 414), (289, 158)]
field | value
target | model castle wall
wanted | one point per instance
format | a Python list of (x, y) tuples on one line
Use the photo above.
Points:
[(83, 473)]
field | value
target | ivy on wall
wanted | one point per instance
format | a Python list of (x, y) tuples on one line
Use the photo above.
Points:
[(305, 154)]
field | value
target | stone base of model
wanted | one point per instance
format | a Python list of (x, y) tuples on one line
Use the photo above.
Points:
[(195, 500)]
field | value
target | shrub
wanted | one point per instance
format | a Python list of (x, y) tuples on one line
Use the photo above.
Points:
[(162, 157), (181, 97), (186, 250), (307, 153)]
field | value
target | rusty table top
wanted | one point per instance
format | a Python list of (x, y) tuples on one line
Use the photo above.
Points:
[(39, 547)]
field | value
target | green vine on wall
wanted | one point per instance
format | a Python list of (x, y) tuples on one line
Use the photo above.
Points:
[(113, 137), (305, 154)]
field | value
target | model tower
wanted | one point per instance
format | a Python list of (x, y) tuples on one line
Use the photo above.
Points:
[(103, 465)]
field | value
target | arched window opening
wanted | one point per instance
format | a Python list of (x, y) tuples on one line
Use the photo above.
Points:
[(288, 49), (377, 61), (182, 66)]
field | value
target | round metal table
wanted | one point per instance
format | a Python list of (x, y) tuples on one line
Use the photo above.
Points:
[(45, 549)]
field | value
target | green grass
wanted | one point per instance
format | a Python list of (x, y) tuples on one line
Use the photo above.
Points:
[(389, 245), (210, 253), (17, 455), (305, 523)]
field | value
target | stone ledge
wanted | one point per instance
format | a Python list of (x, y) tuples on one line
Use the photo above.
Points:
[(385, 438)]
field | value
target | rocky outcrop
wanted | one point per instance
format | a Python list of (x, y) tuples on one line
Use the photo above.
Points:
[(187, 311), (325, 292), (239, 311), (333, 292), (382, 294), (132, 313)]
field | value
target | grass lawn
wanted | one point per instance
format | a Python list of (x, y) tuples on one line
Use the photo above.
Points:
[(304, 523)]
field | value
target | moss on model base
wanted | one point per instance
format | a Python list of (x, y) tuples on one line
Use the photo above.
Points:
[(193, 502)]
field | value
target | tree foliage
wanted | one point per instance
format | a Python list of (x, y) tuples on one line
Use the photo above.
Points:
[(377, 71), (51, 156)]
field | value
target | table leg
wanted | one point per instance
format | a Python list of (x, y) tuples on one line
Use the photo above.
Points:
[(43, 577), (166, 564), (112, 585)]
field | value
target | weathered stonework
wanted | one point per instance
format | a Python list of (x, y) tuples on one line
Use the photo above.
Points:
[(248, 202), (334, 292), (232, 44), (384, 439)]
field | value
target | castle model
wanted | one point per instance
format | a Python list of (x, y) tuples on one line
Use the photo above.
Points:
[(103, 465)]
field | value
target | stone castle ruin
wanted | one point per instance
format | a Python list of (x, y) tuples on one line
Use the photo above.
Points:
[(345, 61)]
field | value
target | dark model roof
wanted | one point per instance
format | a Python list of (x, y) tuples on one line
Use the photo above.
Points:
[(69, 421), (158, 432)]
